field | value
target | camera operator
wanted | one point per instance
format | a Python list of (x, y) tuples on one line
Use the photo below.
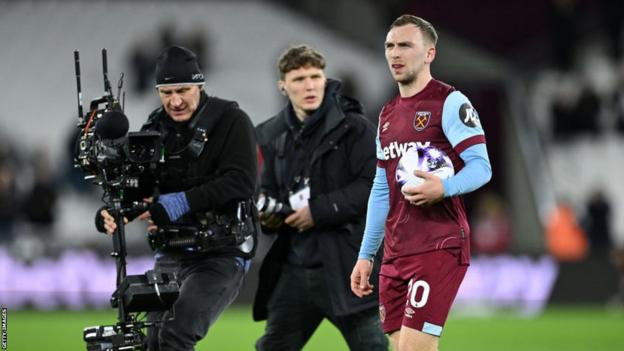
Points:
[(207, 180), (319, 163)]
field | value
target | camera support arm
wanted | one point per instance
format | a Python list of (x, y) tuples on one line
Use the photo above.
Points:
[(115, 166), (119, 253)]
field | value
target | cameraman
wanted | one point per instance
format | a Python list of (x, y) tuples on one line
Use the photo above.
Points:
[(319, 160), (209, 171)]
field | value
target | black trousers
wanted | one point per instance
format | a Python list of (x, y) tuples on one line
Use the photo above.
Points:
[(207, 286), (299, 304)]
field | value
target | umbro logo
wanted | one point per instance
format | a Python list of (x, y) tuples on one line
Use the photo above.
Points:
[(385, 127), (409, 313)]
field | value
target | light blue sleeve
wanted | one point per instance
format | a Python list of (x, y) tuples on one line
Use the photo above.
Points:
[(378, 207), (476, 172), (460, 120), (377, 210)]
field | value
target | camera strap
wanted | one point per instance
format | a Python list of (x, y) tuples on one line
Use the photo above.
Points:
[(202, 124), (280, 166), (299, 162)]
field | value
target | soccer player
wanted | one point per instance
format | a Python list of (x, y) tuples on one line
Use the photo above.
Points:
[(426, 245)]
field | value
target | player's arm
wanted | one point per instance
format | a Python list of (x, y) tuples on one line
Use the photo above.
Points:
[(477, 172), (378, 207), (463, 129), (377, 211)]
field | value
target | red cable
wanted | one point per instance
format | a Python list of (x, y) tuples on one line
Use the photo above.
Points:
[(86, 128)]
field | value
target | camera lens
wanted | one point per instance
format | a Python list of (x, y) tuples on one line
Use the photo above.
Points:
[(261, 203), (269, 206)]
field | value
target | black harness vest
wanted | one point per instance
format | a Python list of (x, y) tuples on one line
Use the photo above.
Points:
[(212, 231)]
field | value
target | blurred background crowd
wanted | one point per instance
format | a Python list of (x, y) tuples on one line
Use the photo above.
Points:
[(546, 77)]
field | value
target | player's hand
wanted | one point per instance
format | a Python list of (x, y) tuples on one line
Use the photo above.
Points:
[(109, 222), (427, 193), (301, 219), (360, 284)]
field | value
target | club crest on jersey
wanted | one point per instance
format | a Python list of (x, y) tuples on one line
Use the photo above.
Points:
[(421, 120)]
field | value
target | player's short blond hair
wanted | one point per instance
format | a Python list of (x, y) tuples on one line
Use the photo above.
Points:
[(425, 27)]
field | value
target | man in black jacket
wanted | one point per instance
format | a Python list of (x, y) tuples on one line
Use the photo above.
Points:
[(205, 184), (319, 162)]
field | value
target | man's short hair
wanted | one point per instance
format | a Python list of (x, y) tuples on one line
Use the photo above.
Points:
[(425, 27), (299, 56)]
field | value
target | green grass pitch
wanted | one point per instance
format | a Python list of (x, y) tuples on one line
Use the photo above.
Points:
[(559, 328)]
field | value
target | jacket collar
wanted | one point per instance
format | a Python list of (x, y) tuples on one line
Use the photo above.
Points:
[(332, 117), (334, 114)]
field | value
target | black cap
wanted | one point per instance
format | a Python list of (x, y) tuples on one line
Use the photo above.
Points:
[(177, 65)]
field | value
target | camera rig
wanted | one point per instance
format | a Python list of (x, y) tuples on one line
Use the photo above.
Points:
[(123, 164)]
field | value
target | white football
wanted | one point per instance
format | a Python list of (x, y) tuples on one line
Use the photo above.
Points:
[(409, 162), (428, 159)]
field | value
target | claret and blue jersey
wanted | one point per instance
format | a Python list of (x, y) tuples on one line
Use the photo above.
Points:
[(442, 125)]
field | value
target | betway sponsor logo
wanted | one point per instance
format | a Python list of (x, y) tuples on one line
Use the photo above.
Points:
[(395, 149)]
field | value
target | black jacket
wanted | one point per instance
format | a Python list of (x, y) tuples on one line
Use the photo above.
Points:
[(225, 171), (342, 169)]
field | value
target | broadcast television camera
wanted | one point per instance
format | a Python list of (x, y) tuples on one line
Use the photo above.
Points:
[(105, 150), (126, 166)]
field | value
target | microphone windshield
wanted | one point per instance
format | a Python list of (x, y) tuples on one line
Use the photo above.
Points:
[(112, 125)]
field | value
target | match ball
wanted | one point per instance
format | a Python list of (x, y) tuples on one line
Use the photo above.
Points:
[(428, 159)]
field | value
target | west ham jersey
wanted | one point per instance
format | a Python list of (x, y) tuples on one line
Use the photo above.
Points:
[(427, 131)]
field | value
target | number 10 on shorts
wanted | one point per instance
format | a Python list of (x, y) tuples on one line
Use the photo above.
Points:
[(414, 289)]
